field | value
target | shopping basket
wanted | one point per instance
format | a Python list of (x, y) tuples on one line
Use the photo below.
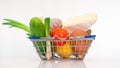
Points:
[(78, 47)]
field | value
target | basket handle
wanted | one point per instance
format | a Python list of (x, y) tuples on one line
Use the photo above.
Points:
[(90, 36)]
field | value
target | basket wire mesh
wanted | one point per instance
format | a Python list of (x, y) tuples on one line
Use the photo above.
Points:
[(76, 49)]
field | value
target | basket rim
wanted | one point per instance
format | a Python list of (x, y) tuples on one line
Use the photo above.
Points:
[(89, 37)]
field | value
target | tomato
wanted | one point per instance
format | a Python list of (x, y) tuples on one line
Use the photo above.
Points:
[(59, 33)]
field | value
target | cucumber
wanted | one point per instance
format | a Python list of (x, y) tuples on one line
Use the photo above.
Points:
[(37, 28)]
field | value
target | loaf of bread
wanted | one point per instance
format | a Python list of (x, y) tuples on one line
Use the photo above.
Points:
[(83, 22)]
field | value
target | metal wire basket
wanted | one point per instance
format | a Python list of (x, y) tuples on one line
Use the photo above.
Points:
[(74, 48)]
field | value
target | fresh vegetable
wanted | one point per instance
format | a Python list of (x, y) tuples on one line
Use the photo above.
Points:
[(37, 28), (64, 51), (59, 33), (62, 47), (78, 46), (17, 24), (47, 34), (55, 23)]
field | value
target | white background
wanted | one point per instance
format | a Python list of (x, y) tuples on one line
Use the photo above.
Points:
[(13, 42)]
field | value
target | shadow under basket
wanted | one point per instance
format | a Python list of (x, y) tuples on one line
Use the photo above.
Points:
[(74, 48)]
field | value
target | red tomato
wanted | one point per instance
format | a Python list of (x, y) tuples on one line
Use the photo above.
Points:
[(61, 33)]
